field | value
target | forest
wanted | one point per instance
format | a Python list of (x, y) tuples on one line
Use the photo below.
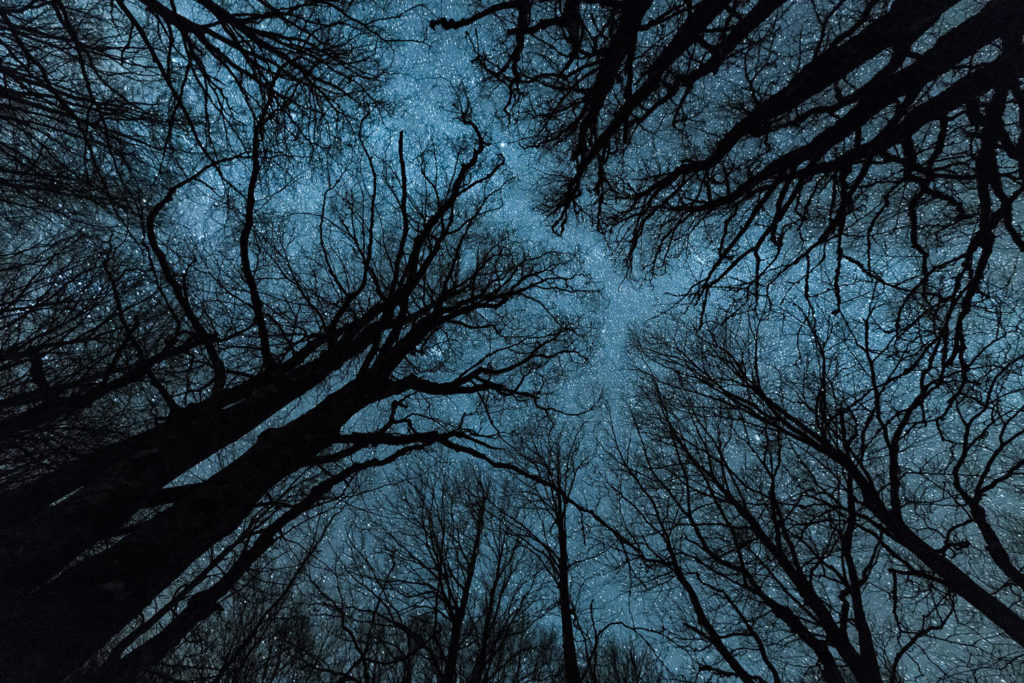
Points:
[(596, 341)]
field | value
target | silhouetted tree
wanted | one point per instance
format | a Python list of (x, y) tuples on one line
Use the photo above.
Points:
[(432, 579), (260, 632), (832, 427), (758, 109), (434, 584), (131, 132), (126, 124), (547, 521), (834, 506), (617, 660), (397, 292), (757, 137), (228, 294)]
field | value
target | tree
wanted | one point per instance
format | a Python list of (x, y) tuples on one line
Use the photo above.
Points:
[(220, 291), (120, 116), (551, 452), (437, 587), (617, 660), (260, 632), (401, 294), (116, 115), (758, 137), (834, 506), (227, 292), (434, 579), (760, 110), (844, 175)]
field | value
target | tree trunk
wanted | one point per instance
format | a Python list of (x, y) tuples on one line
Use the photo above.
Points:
[(572, 667), (141, 467), (50, 633)]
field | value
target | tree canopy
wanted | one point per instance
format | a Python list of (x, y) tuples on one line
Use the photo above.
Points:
[(293, 388)]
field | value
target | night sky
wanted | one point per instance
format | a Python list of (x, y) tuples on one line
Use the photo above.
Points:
[(786, 235)]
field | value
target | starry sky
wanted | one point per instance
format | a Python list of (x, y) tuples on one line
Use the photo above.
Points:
[(694, 174), (428, 68)]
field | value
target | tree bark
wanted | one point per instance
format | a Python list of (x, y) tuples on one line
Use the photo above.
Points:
[(49, 634)]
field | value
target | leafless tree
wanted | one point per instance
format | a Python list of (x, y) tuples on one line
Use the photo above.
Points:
[(260, 632), (757, 137), (827, 422), (552, 528), (402, 292), (434, 584), (130, 131), (832, 505)]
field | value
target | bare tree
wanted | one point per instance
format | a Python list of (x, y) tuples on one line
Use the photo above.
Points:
[(828, 436), (226, 293), (218, 294), (130, 131), (434, 584), (552, 452), (758, 137), (747, 103), (259, 633), (828, 505), (618, 660), (401, 296)]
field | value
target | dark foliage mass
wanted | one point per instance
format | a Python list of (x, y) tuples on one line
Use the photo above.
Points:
[(283, 387)]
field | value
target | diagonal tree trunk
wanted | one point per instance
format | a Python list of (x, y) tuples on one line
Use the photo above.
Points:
[(49, 634)]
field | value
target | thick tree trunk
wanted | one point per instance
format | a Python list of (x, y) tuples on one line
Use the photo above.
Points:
[(206, 602), (50, 633), (572, 667)]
